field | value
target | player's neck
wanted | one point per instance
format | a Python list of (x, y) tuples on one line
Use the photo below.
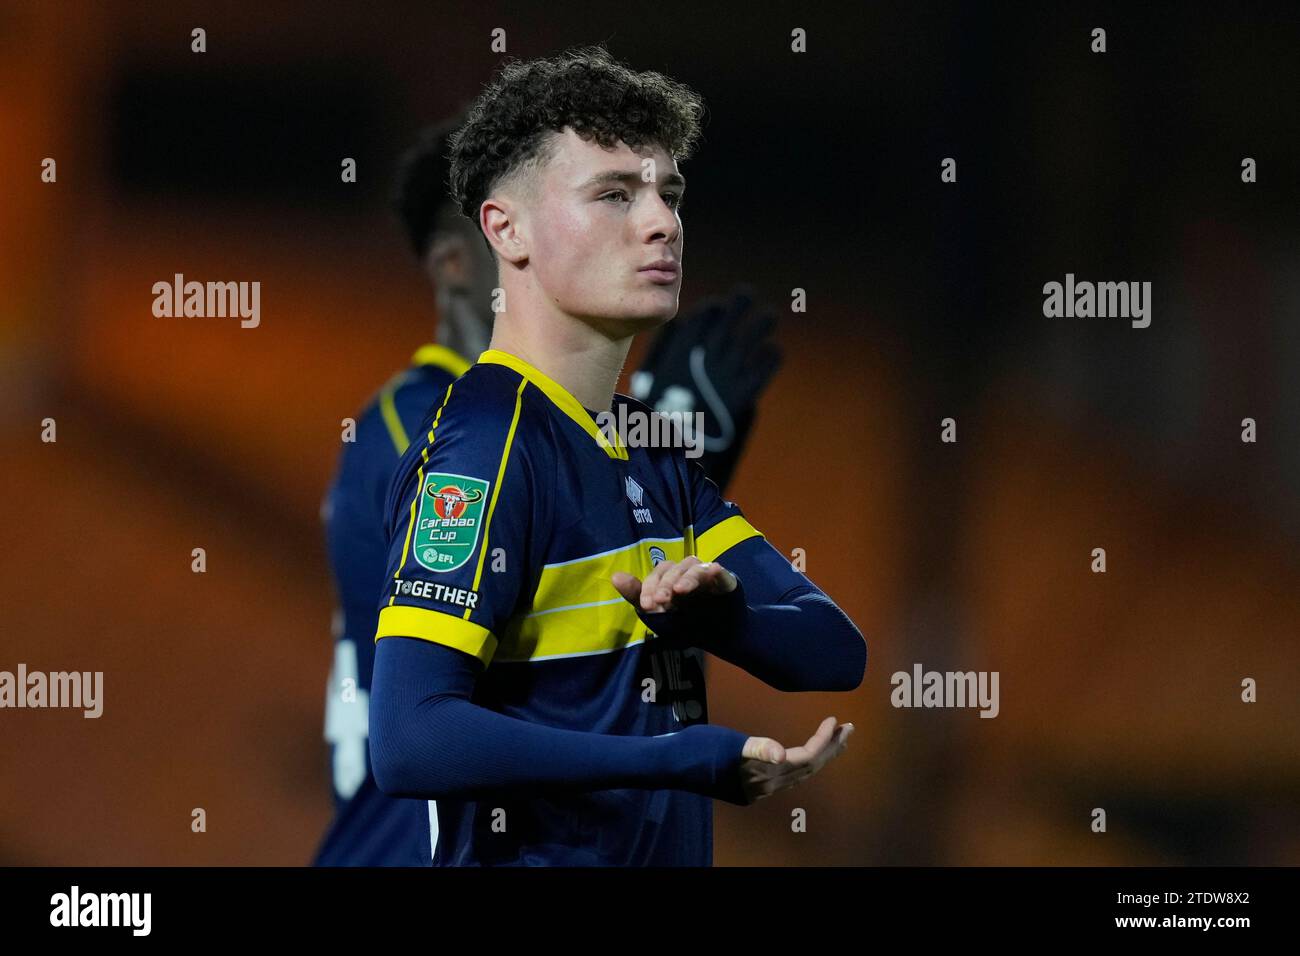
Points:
[(586, 362)]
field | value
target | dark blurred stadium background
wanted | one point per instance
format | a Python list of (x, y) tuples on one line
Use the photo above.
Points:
[(818, 171)]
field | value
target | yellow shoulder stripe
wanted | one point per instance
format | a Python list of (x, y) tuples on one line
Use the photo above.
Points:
[(419, 486), (393, 421), (399, 620), (436, 355), (496, 491), (442, 357)]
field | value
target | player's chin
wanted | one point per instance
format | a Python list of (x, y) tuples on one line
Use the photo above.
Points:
[(625, 325), (647, 323), (651, 307)]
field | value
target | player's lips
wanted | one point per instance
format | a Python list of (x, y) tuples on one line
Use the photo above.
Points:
[(662, 270)]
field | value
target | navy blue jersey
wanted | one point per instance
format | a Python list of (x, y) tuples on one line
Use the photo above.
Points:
[(507, 516), (370, 828)]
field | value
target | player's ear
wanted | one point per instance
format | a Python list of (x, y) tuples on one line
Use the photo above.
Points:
[(501, 222)]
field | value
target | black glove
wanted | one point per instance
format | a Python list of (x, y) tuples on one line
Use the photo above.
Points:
[(716, 359)]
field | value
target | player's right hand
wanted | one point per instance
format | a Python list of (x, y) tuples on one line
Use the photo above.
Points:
[(767, 767)]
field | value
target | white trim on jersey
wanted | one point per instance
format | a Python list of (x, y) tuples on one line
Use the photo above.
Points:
[(433, 830)]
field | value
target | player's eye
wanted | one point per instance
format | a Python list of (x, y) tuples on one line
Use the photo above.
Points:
[(615, 192), (674, 200)]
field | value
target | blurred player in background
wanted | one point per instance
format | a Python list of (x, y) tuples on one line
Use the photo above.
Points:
[(717, 360), (551, 586)]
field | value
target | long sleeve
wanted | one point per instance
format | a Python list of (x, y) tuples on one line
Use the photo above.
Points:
[(777, 625), (428, 740)]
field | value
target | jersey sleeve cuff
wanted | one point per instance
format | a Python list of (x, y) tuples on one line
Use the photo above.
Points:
[(400, 620), (725, 534)]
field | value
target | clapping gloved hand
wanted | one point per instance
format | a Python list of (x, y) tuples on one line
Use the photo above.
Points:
[(716, 359)]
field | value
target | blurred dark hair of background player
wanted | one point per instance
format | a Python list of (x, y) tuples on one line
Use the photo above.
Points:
[(715, 359)]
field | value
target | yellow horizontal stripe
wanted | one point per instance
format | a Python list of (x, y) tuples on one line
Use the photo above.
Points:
[(723, 535), (576, 609), (587, 630), (586, 580), (399, 620)]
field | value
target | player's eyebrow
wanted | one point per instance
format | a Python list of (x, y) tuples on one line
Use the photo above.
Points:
[(629, 179)]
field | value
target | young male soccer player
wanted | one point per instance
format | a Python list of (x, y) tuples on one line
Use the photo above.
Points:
[(547, 580), (718, 361)]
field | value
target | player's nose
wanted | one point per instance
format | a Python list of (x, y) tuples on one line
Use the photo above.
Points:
[(661, 222)]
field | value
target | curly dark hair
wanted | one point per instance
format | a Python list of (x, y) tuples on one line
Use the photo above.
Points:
[(507, 127), (420, 187)]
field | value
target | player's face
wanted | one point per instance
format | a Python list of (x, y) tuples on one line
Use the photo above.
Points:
[(596, 224)]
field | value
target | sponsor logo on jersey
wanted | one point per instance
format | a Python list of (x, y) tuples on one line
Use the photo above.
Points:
[(448, 521), (636, 495)]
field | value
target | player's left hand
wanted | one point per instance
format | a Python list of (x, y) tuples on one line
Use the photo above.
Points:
[(672, 585)]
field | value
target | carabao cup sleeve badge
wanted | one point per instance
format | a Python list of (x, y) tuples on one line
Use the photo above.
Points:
[(447, 524)]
